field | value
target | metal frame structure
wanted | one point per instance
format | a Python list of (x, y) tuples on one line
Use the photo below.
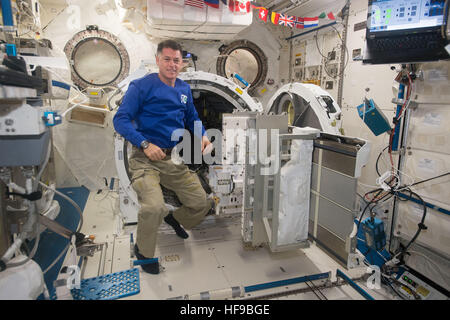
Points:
[(272, 228), (92, 33)]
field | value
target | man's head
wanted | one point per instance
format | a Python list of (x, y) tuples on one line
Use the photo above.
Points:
[(169, 61)]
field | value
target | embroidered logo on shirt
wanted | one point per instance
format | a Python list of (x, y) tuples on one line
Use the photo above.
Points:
[(183, 99)]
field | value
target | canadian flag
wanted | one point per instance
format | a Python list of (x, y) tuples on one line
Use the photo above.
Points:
[(240, 6)]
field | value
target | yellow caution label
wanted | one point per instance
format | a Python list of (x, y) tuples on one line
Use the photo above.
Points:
[(422, 291), (93, 93), (408, 290), (316, 82), (239, 90)]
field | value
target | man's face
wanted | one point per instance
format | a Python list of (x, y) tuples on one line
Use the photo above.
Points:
[(169, 62)]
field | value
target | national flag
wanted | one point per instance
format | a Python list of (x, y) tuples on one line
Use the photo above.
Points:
[(263, 13), (212, 3), (311, 22), (239, 6), (331, 16), (285, 20), (194, 3), (299, 23), (322, 15), (274, 18)]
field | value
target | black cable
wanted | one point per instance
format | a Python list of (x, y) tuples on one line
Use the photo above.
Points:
[(346, 50), (378, 159), (194, 58), (369, 203), (361, 197), (421, 224), (326, 58), (390, 285), (423, 181), (317, 45), (373, 201)]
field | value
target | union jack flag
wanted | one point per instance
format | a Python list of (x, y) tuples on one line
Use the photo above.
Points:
[(286, 20)]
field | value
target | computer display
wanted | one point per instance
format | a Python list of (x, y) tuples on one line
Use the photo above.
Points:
[(406, 31), (391, 15)]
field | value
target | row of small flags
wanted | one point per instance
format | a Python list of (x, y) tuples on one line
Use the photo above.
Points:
[(244, 6), (234, 5), (292, 21)]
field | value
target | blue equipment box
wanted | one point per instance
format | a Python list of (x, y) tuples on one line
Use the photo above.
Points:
[(373, 117), (373, 230)]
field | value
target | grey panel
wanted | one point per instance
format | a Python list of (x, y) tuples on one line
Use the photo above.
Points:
[(279, 122), (311, 227), (312, 206), (336, 161), (338, 188), (24, 150), (314, 174), (335, 218), (333, 244), (337, 194)]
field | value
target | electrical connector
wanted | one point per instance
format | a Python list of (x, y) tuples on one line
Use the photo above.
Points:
[(51, 118)]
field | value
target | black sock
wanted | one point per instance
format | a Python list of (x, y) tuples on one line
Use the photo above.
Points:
[(152, 268), (169, 219)]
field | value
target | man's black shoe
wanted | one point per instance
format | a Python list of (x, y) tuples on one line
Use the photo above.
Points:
[(152, 268), (215, 201), (170, 220)]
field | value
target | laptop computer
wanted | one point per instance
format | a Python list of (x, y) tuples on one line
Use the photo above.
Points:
[(406, 31)]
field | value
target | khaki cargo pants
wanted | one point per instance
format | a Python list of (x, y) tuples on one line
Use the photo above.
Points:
[(146, 177)]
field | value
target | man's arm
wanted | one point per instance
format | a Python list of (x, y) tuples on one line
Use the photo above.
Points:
[(128, 111), (192, 117), (125, 115)]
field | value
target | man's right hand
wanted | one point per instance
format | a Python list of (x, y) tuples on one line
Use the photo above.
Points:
[(154, 153)]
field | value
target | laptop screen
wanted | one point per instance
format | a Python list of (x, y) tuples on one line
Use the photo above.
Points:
[(404, 15)]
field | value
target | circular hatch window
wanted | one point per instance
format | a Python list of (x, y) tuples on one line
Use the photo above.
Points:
[(97, 58), (244, 58)]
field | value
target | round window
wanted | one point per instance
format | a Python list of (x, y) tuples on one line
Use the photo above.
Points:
[(244, 58), (97, 58), (242, 62), (92, 68)]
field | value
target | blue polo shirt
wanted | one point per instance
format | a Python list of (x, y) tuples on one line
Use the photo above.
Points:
[(152, 110)]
